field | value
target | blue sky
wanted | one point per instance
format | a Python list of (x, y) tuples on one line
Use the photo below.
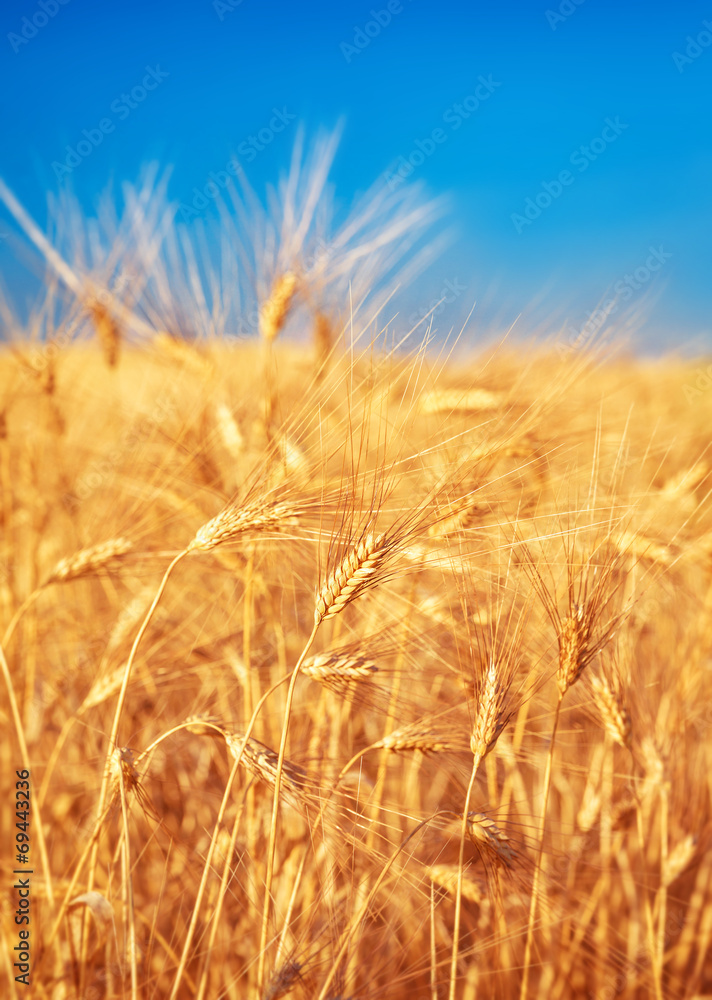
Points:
[(572, 139)]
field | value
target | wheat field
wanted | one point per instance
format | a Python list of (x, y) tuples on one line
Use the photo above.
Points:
[(347, 662)]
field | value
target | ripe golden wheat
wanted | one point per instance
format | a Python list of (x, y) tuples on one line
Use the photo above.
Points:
[(446, 626)]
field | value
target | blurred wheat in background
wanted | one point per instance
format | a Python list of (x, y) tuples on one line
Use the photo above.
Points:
[(345, 664)]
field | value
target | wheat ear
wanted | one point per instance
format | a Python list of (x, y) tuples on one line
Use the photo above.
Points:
[(484, 832), (337, 669), (574, 648), (614, 714), (274, 312), (282, 980), (233, 521), (446, 876), (87, 560), (82, 563), (107, 330), (261, 762), (415, 737), (355, 574)]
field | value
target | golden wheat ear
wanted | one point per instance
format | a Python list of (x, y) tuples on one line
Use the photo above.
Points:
[(446, 876), (352, 577), (490, 720), (612, 709), (262, 763), (87, 561), (414, 737), (339, 671), (234, 521), (488, 837), (283, 980), (274, 312), (108, 331)]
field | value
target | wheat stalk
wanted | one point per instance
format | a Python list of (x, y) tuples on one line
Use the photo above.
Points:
[(277, 781)]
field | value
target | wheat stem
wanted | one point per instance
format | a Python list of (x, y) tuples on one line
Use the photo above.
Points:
[(103, 792), (649, 920), (662, 897), (128, 881), (227, 869), (25, 756), (203, 882), (127, 675), (540, 851), (18, 614), (275, 808), (355, 922), (458, 893)]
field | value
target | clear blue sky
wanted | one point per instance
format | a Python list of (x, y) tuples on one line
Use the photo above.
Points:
[(593, 90)]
